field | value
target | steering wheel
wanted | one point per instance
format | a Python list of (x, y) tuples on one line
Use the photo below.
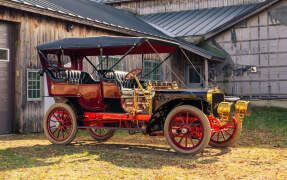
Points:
[(135, 72)]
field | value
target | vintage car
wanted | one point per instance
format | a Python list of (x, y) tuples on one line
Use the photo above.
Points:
[(189, 119)]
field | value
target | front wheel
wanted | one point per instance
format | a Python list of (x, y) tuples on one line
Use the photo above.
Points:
[(187, 129), (60, 124), (226, 134)]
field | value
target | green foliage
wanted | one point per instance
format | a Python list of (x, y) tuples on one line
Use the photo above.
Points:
[(265, 118)]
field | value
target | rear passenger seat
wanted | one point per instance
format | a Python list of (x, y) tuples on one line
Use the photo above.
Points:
[(71, 76)]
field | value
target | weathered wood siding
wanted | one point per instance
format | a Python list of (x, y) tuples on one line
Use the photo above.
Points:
[(33, 30), (156, 6), (260, 42)]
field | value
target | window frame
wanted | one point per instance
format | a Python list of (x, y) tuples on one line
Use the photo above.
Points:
[(160, 70), (114, 59), (41, 86), (8, 57)]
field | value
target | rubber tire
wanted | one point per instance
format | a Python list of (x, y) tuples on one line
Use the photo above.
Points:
[(205, 124), (74, 124), (233, 139), (102, 138)]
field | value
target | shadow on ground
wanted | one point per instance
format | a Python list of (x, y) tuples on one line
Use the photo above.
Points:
[(122, 155)]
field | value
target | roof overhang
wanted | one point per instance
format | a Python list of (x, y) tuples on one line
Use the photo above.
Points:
[(16, 4)]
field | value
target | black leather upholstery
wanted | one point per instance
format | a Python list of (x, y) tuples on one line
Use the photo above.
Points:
[(79, 77), (120, 77), (71, 76)]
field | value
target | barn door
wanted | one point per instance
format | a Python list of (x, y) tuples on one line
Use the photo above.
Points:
[(6, 100)]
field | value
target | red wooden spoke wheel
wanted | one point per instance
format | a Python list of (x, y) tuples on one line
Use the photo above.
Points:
[(60, 125), (187, 129), (224, 134), (101, 135)]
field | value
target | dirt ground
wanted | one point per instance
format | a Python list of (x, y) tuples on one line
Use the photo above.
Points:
[(258, 155)]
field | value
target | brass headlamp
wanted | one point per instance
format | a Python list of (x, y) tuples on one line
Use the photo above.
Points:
[(241, 108), (224, 110)]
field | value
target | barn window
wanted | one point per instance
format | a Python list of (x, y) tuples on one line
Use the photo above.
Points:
[(4, 54), (194, 74), (64, 60), (109, 61), (34, 85), (156, 75)]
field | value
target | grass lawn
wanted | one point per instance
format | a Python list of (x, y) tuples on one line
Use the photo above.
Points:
[(261, 153)]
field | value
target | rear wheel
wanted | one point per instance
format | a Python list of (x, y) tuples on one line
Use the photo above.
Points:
[(101, 135), (187, 129), (227, 134), (60, 124)]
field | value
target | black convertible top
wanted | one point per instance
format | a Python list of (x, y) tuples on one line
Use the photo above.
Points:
[(118, 45), (99, 42)]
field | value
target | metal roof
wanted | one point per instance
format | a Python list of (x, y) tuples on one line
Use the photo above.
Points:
[(197, 22), (107, 15), (111, 1), (97, 12)]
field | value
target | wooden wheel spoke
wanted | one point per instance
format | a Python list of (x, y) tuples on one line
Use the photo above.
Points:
[(191, 141), (55, 131), (58, 120), (63, 132), (228, 133), (53, 120), (185, 141), (222, 135), (213, 135), (68, 123), (228, 126), (67, 118), (217, 136), (181, 139), (58, 134)]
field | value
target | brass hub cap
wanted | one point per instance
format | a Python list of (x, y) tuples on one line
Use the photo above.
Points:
[(58, 124), (184, 130)]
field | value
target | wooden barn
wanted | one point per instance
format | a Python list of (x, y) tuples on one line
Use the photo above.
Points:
[(26, 23), (250, 33)]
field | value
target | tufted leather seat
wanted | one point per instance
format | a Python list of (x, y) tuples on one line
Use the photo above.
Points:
[(72, 76), (120, 77)]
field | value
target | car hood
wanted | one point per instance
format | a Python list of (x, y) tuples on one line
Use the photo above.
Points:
[(183, 91)]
